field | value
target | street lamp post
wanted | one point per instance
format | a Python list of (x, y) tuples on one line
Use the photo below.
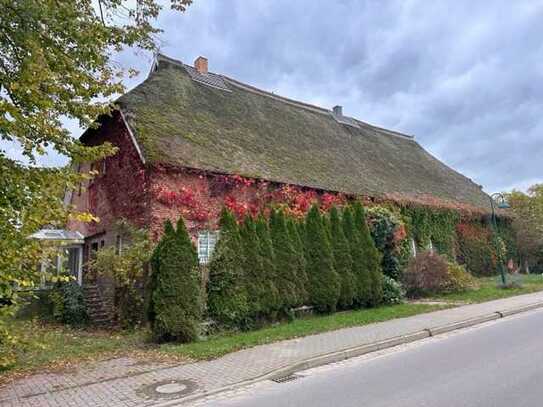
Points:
[(498, 199)]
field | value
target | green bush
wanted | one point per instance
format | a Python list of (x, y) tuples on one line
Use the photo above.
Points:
[(127, 269), (69, 304), (370, 276), (290, 286), (176, 296), (226, 287), (459, 279), (343, 262), (324, 283), (393, 291)]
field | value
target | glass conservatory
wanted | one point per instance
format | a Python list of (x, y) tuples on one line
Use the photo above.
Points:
[(67, 256)]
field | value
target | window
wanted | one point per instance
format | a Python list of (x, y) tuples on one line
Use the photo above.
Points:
[(119, 245), (413, 247), (431, 246), (206, 244)]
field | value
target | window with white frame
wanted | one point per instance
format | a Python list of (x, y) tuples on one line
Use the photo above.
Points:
[(413, 245), (206, 244)]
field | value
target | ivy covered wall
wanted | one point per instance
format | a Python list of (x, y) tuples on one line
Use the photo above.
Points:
[(199, 197)]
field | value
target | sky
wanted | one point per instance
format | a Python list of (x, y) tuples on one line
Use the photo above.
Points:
[(464, 77)]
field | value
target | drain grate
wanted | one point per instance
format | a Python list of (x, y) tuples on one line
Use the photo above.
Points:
[(289, 378)]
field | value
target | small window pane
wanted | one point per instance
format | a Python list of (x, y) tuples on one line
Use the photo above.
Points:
[(206, 244)]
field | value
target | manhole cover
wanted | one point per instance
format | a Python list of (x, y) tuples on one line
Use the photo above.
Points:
[(168, 389)]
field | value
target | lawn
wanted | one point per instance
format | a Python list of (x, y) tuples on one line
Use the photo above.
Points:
[(221, 344), (46, 346), (56, 346), (489, 290)]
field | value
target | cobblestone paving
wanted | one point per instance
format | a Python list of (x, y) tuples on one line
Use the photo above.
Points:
[(119, 382)]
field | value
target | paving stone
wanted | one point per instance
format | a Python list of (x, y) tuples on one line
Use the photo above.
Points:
[(118, 382)]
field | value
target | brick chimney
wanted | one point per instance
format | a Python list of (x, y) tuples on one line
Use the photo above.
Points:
[(200, 64), (338, 111)]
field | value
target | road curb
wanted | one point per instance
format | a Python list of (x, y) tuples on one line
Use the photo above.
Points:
[(518, 310), (348, 353), (463, 324)]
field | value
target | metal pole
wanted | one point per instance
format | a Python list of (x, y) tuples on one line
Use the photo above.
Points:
[(495, 229)]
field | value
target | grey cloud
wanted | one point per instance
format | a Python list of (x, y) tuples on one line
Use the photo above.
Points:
[(465, 77)]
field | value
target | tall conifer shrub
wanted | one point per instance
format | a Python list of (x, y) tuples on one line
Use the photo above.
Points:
[(372, 276), (271, 301), (343, 261), (290, 288), (352, 234), (176, 298), (226, 288), (324, 284), (261, 291), (298, 244)]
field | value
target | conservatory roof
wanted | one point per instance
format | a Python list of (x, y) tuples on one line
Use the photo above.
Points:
[(65, 236)]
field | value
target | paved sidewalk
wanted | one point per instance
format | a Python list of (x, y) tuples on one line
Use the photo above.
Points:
[(126, 382)]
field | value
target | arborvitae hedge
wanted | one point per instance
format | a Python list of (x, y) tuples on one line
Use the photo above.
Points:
[(343, 261), (297, 243), (352, 234), (176, 296), (270, 299), (227, 294), (261, 291), (372, 276), (324, 285), (155, 264), (290, 288)]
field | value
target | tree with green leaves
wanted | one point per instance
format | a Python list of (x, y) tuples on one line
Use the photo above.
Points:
[(324, 283), (527, 215), (371, 277), (343, 261), (288, 282), (227, 301), (176, 302), (57, 61)]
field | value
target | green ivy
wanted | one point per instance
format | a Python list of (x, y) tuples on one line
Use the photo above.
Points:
[(437, 225)]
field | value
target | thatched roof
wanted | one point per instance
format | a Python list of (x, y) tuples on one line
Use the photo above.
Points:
[(179, 120)]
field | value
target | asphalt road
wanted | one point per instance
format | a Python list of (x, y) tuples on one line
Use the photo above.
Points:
[(496, 365)]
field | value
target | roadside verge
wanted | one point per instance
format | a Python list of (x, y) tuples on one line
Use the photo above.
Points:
[(362, 349)]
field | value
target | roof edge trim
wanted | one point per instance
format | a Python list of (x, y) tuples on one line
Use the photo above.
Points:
[(132, 137)]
